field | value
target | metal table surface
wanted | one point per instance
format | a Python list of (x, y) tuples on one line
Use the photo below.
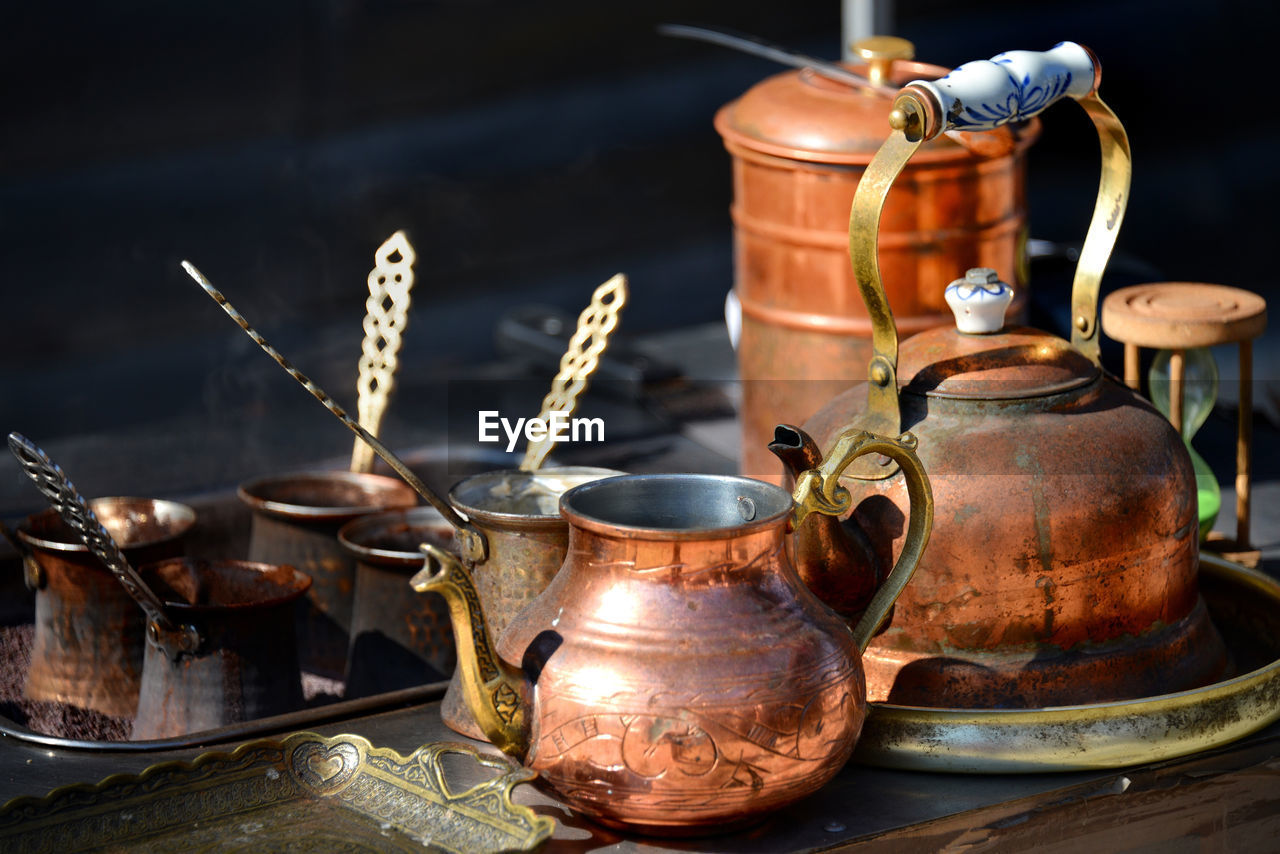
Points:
[(1224, 799)]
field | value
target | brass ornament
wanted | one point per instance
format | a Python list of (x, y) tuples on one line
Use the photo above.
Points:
[(595, 324), (387, 315), (305, 793)]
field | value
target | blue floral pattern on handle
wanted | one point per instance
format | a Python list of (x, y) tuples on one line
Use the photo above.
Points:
[(1011, 86), (1026, 99)]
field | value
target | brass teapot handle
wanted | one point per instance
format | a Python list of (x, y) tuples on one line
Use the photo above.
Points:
[(979, 96), (819, 491)]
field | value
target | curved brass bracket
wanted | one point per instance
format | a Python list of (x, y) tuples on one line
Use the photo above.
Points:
[(496, 693), (1108, 213), (819, 491)]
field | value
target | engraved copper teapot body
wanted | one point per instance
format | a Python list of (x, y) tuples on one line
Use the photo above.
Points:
[(677, 675), (1062, 568)]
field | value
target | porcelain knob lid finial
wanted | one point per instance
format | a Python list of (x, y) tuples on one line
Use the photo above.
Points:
[(979, 301)]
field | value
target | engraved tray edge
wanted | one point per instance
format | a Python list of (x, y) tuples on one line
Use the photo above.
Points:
[(407, 794)]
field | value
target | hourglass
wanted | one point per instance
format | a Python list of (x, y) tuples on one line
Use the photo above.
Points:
[(1182, 319), (1199, 392)]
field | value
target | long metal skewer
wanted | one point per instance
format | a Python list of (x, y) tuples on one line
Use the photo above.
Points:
[(777, 53), (473, 542)]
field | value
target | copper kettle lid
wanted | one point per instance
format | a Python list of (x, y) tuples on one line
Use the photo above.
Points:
[(980, 358), (802, 115)]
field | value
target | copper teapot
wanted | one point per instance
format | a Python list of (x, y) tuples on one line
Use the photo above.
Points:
[(1062, 568), (676, 676)]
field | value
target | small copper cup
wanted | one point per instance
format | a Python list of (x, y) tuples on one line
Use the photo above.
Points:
[(296, 518), (89, 632), (398, 638), (246, 666)]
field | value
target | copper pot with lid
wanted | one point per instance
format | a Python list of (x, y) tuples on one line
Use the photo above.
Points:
[(800, 144), (1063, 563)]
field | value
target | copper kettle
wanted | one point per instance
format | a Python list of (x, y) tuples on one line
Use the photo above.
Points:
[(676, 675), (1062, 567), (800, 144)]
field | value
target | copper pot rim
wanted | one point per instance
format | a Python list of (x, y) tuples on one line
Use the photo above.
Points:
[(356, 534), (384, 492), (183, 516), (296, 586), (505, 519), (578, 518)]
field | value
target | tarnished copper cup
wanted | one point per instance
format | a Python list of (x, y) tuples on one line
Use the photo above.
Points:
[(527, 543), (89, 633), (398, 638), (88, 638), (246, 666), (296, 518)]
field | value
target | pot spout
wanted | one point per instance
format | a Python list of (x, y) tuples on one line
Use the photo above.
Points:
[(497, 694), (835, 560)]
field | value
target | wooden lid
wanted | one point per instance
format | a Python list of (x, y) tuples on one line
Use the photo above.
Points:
[(1177, 315)]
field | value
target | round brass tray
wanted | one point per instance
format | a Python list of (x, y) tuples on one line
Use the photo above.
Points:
[(1245, 605)]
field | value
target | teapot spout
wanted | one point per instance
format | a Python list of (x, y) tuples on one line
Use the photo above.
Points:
[(497, 694), (836, 560)]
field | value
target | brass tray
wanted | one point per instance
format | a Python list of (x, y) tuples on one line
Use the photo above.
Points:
[(304, 793), (1245, 605)]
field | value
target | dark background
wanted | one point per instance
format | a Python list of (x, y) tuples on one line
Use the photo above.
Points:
[(530, 149)]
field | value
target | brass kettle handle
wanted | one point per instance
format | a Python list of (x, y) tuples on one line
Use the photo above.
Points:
[(819, 491), (979, 96)]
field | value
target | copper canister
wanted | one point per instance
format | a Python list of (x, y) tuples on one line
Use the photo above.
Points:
[(799, 144)]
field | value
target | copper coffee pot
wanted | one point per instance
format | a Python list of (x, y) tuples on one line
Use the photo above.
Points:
[(1062, 568), (686, 680)]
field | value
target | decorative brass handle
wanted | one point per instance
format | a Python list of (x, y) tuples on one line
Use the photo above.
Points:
[(819, 491), (495, 693), (595, 324), (387, 315), (980, 96)]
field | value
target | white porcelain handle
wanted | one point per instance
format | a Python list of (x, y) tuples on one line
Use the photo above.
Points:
[(1011, 86)]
